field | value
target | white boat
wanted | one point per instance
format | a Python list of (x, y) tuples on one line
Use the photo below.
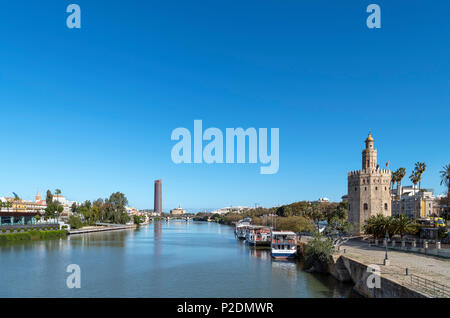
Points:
[(258, 236), (241, 230), (283, 244)]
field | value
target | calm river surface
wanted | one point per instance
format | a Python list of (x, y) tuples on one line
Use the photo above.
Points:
[(175, 259)]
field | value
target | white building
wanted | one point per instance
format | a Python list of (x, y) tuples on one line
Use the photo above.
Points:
[(231, 209), (412, 202), (64, 202), (178, 211)]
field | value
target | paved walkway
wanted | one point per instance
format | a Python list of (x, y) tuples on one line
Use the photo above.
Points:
[(90, 229), (429, 267)]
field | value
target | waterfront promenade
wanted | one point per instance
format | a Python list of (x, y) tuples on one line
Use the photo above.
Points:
[(91, 229), (428, 267)]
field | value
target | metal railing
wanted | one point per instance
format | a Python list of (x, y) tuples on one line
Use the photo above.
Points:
[(430, 287)]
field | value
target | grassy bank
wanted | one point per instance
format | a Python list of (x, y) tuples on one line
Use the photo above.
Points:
[(33, 235)]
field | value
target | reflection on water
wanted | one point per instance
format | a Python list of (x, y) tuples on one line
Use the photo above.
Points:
[(163, 259)]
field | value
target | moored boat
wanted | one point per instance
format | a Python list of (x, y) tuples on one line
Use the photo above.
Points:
[(258, 236), (283, 244), (241, 230)]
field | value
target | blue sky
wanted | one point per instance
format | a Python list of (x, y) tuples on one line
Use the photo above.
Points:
[(91, 111)]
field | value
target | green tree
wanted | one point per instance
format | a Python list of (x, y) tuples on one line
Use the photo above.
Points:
[(337, 215), (419, 169), (403, 225), (49, 198), (75, 222), (74, 207), (316, 214), (378, 225), (318, 252), (394, 178), (415, 178), (115, 208), (400, 174), (58, 192), (137, 219)]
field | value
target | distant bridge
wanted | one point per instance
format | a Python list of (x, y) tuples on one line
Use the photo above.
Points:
[(172, 217)]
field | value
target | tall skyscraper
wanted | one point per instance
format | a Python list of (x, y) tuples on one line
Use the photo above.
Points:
[(158, 197)]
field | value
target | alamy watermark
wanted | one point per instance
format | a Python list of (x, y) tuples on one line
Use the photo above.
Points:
[(213, 152), (374, 279), (373, 21), (73, 21), (74, 279)]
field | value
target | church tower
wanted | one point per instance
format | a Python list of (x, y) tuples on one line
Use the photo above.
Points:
[(368, 189), (38, 197)]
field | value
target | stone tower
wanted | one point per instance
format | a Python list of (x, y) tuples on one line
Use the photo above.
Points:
[(38, 197), (368, 189)]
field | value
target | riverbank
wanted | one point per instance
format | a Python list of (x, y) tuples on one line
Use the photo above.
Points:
[(33, 235), (92, 229), (427, 276)]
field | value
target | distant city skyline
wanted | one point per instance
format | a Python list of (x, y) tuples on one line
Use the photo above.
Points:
[(92, 110)]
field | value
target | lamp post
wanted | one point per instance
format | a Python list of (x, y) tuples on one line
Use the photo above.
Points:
[(386, 259)]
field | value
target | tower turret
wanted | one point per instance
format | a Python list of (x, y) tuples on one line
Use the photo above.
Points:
[(369, 155)]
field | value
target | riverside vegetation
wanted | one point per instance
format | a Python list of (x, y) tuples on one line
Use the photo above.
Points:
[(32, 235), (109, 210), (299, 217)]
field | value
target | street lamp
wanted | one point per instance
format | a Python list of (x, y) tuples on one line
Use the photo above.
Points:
[(386, 259)]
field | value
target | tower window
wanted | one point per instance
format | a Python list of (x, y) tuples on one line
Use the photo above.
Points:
[(386, 206), (356, 189), (366, 207), (376, 188), (365, 188)]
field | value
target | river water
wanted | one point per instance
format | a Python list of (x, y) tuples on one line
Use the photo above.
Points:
[(165, 259)]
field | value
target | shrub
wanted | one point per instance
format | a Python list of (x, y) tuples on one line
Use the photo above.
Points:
[(15, 237), (318, 251), (75, 222), (33, 235)]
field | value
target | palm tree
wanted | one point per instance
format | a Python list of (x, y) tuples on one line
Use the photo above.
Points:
[(394, 179), (415, 178), (403, 225), (401, 173), (378, 225), (398, 176), (445, 177), (420, 168)]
